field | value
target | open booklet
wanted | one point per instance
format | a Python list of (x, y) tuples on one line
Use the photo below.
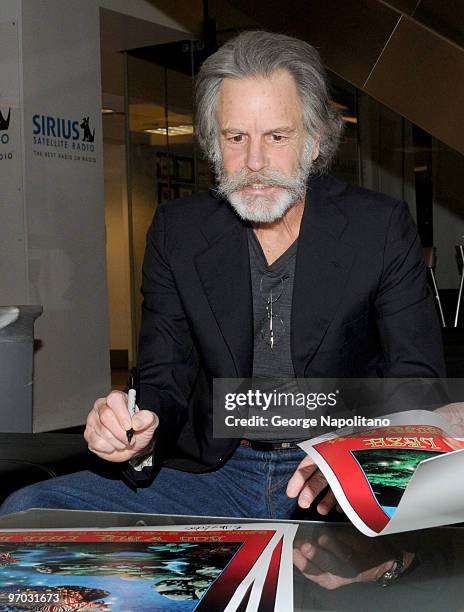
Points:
[(398, 478), (229, 567)]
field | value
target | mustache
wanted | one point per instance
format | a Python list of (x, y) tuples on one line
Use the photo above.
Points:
[(228, 184)]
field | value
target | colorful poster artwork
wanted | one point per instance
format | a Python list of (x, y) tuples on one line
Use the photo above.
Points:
[(131, 571), (392, 479), (388, 472)]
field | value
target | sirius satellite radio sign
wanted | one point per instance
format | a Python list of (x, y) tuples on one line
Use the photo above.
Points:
[(63, 138)]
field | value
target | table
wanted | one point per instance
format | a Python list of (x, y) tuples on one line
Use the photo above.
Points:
[(435, 583)]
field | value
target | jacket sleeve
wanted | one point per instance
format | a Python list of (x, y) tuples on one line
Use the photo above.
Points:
[(407, 320), (167, 360)]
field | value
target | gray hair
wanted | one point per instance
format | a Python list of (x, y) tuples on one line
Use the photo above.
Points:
[(260, 53)]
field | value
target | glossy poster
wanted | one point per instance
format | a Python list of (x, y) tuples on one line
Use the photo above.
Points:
[(142, 570), (392, 479)]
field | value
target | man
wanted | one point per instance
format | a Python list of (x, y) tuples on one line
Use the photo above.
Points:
[(341, 265)]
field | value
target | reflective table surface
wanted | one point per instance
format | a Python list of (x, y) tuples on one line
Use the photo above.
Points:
[(333, 562)]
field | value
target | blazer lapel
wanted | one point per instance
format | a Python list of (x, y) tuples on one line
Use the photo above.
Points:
[(224, 270), (321, 272)]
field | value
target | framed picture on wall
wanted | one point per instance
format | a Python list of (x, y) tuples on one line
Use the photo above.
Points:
[(165, 165), (185, 169), (165, 193)]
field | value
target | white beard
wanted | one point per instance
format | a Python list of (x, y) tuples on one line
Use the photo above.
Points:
[(258, 208), (262, 209)]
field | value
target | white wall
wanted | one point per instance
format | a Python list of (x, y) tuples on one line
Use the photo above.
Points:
[(13, 257), (52, 214), (63, 233)]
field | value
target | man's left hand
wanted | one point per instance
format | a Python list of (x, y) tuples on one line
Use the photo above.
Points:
[(336, 559), (306, 484)]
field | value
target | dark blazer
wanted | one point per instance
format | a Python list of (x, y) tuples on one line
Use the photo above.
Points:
[(361, 307)]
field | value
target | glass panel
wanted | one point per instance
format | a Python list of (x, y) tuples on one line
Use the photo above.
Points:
[(448, 216), (180, 181), (148, 163), (117, 246), (346, 164), (163, 160), (403, 161)]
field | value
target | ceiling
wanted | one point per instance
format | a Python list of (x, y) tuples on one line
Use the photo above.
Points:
[(407, 54)]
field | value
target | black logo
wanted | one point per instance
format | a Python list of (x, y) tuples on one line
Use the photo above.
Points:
[(5, 122), (88, 136)]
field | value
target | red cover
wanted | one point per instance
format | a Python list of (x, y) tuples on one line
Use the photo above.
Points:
[(340, 454)]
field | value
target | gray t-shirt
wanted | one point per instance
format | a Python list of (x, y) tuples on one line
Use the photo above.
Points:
[(272, 287)]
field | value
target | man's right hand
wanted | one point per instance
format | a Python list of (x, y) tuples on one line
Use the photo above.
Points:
[(107, 426)]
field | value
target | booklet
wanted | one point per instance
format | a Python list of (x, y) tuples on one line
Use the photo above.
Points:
[(396, 478), (190, 567)]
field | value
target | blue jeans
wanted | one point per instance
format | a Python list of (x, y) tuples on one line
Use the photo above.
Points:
[(250, 484)]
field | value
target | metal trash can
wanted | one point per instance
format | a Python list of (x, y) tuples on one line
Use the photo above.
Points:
[(16, 367)]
